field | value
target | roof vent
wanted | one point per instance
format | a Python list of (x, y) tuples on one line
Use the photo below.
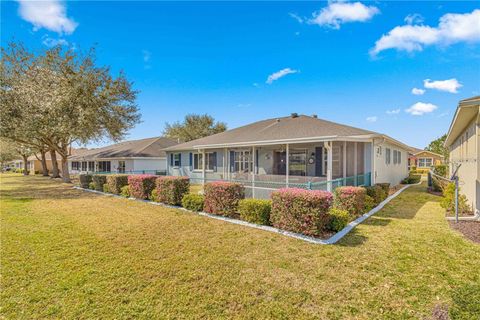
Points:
[(314, 116), (294, 115)]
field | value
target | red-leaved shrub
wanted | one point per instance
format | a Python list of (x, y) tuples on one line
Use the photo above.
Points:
[(351, 199), (302, 211), (141, 185), (222, 198), (170, 190)]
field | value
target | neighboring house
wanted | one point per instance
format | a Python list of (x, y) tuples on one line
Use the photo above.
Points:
[(135, 156), (34, 163), (463, 142), (423, 159), (295, 151)]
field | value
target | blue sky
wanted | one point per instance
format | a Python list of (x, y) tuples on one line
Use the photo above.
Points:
[(351, 62)]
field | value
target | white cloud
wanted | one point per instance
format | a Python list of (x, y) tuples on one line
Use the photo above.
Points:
[(395, 111), (244, 105), (372, 119), (52, 42), (146, 55), (339, 12), (452, 28), (414, 18), (279, 74), (420, 108), (296, 17), (48, 14), (450, 85), (417, 91)]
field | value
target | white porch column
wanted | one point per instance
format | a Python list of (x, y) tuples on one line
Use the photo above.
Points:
[(355, 164), (328, 147), (344, 160), (203, 167), (287, 161), (254, 159)]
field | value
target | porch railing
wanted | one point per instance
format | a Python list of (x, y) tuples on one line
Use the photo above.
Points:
[(154, 172)]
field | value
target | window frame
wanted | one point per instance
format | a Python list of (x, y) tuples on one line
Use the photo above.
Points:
[(176, 160), (388, 156)]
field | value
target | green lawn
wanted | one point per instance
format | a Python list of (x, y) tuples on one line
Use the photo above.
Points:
[(72, 254)]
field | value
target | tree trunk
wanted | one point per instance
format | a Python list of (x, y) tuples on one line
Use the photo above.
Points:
[(65, 173), (25, 166), (44, 164), (53, 156)]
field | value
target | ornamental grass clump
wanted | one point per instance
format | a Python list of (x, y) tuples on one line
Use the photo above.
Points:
[(351, 199), (85, 180), (170, 190), (222, 198), (193, 202), (98, 181), (116, 182), (141, 186), (255, 210), (301, 211)]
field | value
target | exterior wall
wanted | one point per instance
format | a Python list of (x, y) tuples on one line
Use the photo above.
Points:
[(465, 152), (186, 168), (389, 173), (413, 160), (149, 164), (131, 165), (37, 166)]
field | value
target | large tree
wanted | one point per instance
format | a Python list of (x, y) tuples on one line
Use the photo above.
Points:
[(17, 149), (60, 97), (193, 127), (438, 146)]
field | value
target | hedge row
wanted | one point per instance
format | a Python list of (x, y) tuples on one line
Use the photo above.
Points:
[(309, 212)]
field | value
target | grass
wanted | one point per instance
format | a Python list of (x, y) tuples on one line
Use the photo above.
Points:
[(72, 254)]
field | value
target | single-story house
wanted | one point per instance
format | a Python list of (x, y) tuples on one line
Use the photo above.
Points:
[(34, 163), (424, 159), (135, 156), (463, 142), (294, 151)]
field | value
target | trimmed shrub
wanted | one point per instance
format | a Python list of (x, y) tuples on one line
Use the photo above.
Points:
[(302, 211), (338, 219), (106, 189), (141, 185), (193, 202), (376, 193), (85, 180), (125, 191), (441, 170), (91, 186), (385, 187), (222, 197), (116, 182), (411, 179), (448, 201), (99, 180), (170, 190), (255, 210), (369, 203), (351, 199)]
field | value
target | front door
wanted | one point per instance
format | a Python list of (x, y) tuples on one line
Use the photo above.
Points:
[(280, 162)]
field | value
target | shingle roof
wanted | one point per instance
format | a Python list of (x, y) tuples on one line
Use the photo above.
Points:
[(150, 147), (277, 129)]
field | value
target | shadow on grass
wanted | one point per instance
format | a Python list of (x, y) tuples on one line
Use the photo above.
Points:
[(466, 301)]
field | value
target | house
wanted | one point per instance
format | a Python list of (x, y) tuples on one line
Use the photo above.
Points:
[(35, 164), (463, 143), (135, 156), (296, 151), (423, 160)]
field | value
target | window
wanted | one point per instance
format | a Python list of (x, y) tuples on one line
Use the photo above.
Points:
[(75, 165), (104, 166), (298, 162), (121, 166), (242, 161), (198, 161), (336, 168), (91, 166), (425, 162), (387, 156), (84, 165), (176, 159), (399, 157)]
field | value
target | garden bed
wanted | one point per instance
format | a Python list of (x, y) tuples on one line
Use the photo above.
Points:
[(469, 229)]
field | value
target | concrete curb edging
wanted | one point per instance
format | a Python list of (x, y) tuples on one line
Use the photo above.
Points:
[(332, 240)]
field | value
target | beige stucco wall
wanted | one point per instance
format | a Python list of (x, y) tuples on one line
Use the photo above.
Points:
[(465, 152), (391, 173)]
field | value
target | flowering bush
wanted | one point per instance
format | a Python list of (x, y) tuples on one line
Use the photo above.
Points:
[(98, 181), (222, 197), (338, 219), (193, 202), (255, 210), (141, 186), (125, 191), (170, 190), (351, 199), (85, 180), (369, 203), (116, 182), (303, 211)]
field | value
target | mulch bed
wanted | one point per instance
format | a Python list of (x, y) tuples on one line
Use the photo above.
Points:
[(469, 229)]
